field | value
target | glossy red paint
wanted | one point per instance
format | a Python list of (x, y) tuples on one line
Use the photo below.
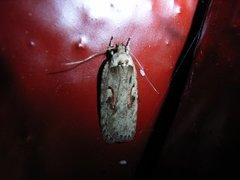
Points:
[(58, 113), (203, 141)]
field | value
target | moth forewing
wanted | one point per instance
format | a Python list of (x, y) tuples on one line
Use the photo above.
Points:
[(119, 96)]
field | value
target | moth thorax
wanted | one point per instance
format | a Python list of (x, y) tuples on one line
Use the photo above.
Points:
[(122, 59)]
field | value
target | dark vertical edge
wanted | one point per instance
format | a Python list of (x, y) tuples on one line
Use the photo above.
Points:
[(150, 160)]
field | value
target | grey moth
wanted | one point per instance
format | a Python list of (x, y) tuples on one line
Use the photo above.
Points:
[(118, 95)]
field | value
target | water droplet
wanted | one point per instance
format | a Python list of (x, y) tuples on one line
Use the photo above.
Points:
[(123, 162), (83, 40), (32, 43), (178, 10), (142, 72), (80, 44), (167, 42)]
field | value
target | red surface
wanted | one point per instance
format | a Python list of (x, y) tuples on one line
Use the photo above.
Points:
[(50, 125), (204, 139)]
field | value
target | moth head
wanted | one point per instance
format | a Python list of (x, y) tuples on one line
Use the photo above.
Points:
[(118, 48), (118, 55), (121, 57)]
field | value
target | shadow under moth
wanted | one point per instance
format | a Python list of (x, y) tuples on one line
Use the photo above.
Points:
[(118, 93)]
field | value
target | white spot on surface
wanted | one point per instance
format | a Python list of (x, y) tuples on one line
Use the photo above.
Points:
[(167, 42), (80, 44), (123, 162), (32, 43), (29, 14), (142, 72), (83, 41)]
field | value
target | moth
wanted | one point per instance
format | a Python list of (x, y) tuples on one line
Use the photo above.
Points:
[(118, 104), (118, 95)]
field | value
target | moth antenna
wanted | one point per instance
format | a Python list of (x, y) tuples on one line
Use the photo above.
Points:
[(76, 63), (110, 43), (126, 46), (128, 41), (142, 72), (84, 60)]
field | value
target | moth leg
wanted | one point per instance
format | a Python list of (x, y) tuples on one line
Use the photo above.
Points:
[(110, 98)]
